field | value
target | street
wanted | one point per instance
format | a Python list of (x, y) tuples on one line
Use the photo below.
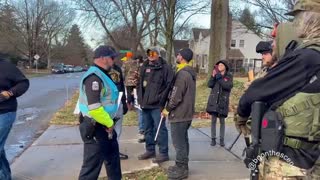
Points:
[(45, 96)]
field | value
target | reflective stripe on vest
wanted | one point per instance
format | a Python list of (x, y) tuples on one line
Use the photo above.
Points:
[(108, 96)]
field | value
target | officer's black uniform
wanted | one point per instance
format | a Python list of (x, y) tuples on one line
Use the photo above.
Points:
[(98, 148)]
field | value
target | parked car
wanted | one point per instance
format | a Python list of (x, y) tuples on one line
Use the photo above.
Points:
[(57, 69), (78, 69), (68, 68)]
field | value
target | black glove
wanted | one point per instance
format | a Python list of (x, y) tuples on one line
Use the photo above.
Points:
[(125, 109), (218, 76)]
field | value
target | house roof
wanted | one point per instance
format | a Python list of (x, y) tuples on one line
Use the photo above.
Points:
[(197, 31), (179, 44), (235, 54)]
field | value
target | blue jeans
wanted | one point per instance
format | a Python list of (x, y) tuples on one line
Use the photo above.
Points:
[(151, 118), (140, 121), (6, 122)]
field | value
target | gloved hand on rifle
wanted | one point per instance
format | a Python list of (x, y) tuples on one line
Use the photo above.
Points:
[(241, 125)]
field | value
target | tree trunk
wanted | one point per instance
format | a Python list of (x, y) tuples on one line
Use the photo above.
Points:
[(218, 33), (169, 31)]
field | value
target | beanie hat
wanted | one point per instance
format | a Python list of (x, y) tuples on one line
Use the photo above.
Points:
[(186, 53)]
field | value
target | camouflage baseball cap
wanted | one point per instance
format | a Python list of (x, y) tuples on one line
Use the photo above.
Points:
[(305, 5)]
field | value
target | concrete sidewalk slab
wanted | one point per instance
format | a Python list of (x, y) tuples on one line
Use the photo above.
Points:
[(57, 154)]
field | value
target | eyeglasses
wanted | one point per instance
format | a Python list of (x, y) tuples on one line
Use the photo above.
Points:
[(152, 53)]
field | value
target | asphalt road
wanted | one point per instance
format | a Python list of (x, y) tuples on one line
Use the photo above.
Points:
[(45, 96)]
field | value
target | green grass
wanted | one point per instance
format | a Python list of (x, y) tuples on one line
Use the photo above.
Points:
[(31, 73), (65, 115), (152, 174), (131, 118)]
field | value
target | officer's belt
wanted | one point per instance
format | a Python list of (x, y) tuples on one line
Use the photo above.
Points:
[(299, 144), (299, 107)]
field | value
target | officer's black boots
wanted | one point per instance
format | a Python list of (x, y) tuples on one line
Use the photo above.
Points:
[(213, 142), (161, 158), (177, 172), (222, 142), (147, 155)]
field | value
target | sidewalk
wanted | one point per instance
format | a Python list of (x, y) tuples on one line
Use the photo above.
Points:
[(57, 154)]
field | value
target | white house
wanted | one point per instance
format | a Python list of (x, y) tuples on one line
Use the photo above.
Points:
[(242, 52)]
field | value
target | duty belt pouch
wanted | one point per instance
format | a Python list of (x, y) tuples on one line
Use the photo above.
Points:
[(87, 129), (272, 131)]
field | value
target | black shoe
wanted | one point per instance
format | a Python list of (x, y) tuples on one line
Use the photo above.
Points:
[(222, 143), (147, 155), (177, 173), (213, 142), (161, 158), (123, 156), (175, 167)]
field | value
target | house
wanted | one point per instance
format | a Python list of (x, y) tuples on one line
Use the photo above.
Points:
[(242, 54)]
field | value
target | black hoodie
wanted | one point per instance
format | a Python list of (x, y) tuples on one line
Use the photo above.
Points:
[(11, 79), (181, 103)]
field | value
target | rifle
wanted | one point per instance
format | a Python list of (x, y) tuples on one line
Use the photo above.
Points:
[(252, 152)]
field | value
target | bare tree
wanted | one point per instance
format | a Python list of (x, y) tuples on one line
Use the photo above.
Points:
[(111, 14), (174, 11), (57, 22), (218, 34)]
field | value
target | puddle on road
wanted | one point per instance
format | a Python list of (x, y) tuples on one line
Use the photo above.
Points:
[(27, 114)]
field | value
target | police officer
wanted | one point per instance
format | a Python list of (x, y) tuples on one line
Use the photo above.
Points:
[(291, 92), (98, 107)]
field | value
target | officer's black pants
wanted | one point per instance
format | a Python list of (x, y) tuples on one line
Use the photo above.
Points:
[(97, 151)]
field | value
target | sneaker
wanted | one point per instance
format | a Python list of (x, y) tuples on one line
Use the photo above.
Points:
[(161, 158), (123, 156), (147, 155), (213, 142)]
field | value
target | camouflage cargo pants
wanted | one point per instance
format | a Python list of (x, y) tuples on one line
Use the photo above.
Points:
[(275, 169), (315, 173)]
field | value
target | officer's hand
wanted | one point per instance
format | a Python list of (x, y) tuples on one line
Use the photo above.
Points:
[(164, 113), (125, 109), (109, 130)]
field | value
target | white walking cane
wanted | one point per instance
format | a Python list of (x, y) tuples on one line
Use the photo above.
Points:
[(156, 137)]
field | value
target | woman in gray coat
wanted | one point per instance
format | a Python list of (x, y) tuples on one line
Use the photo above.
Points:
[(221, 83)]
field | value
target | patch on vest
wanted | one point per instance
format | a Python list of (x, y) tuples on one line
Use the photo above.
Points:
[(95, 86)]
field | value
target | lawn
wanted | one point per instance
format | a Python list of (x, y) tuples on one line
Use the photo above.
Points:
[(65, 115)]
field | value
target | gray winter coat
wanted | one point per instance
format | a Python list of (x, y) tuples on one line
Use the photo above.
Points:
[(181, 103)]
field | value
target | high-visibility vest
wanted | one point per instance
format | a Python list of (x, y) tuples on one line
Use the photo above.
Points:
[(108, 96)]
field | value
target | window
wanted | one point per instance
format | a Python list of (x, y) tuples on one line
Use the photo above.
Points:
[(204, 60), (241, 43), (233, 43)]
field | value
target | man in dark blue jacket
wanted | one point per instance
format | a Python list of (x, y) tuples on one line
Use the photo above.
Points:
[(12, 85)]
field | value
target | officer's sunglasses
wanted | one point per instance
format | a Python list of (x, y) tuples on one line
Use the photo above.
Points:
[(152, 53)]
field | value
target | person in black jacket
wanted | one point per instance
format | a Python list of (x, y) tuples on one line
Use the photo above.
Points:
[(154, 84), (221, 83), (12, 85)]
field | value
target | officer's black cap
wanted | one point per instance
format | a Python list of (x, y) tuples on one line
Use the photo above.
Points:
[(105, 51), (264, 47)]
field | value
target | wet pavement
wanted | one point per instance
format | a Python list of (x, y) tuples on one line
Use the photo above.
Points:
[(45, 96)]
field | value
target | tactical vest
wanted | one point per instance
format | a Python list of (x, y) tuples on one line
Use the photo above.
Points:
[(108, 95), (301, 115)]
